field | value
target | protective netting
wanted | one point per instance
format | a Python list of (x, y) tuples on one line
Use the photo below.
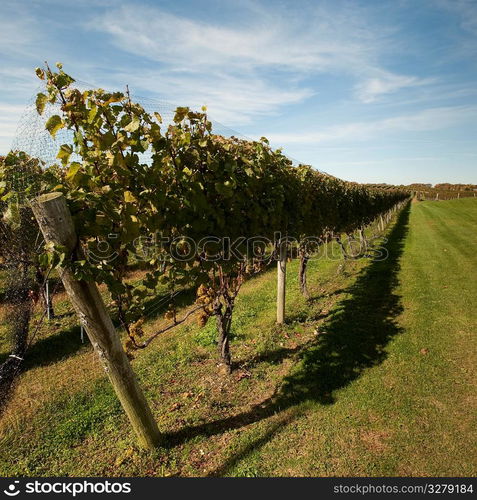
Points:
[(32, 138), (35, 149)]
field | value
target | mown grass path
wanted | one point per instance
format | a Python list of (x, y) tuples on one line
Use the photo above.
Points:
[(387, 387)]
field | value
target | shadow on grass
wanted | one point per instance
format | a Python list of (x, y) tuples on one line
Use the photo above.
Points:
[(158, 305), (272, 429), (273, 357), (48, 350), (358, 331), (67, 342)]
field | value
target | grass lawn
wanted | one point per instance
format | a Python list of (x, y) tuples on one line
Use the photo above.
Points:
[(375, 375)]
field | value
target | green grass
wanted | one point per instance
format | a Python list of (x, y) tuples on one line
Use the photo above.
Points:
[(387, 387)]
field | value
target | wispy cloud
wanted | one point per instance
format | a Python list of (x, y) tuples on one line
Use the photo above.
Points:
[(465, 13), (319, 41), (421, 121), (465, 9), (21, 34), (229, 98), (373, 89), (245, 69)]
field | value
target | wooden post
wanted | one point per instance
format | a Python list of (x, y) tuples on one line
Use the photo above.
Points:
[(47, 295), (362, 240), (281, 281), (57, 227)]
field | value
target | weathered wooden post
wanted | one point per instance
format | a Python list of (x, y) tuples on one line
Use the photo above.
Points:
[(47, 300), (57, 226), (361, 235), (281, 281)]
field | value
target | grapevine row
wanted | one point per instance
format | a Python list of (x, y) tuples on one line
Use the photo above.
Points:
[(196, 184)]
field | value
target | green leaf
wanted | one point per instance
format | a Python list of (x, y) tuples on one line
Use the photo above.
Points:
[(131, 229), (133, 125), (40, 103), (43, 260), (54, 124), (40, 73), (63, 80), (64, 153), (73, 170), (78, 137), (93, 113), (7, 196), (224, 189), (181, 113)]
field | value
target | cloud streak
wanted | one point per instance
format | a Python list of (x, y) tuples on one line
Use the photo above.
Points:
[(248, 69), (229, 98), (373, 89), (318, 43), (423, 121)]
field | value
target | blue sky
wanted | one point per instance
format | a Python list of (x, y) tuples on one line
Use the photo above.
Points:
[(370, 91)]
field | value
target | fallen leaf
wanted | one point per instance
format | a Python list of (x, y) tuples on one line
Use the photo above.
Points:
[(243, 375)]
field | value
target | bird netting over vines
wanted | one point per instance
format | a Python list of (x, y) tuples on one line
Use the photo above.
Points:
[(38, 144)]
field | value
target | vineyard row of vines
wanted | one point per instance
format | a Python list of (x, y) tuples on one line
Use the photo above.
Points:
[(128, 179)]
